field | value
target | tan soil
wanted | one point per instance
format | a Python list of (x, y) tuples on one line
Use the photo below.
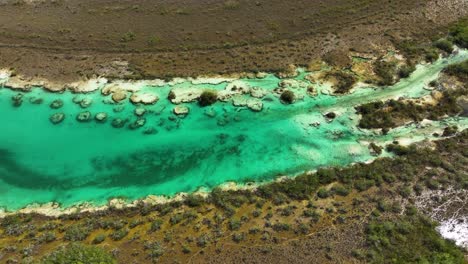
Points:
[(64, 40)]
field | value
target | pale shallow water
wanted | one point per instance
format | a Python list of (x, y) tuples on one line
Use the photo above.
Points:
[(74, 162)]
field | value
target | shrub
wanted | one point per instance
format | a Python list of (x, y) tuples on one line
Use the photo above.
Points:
[(119, 234), (156, 225), (278, 227), (127, 37), (323, 193), (340, 190), (76, 233), (234, 224), (238, 237), (155, 250), (288, 97), (459, 33), (405, 71), (409, 239), (386, 71), (77, 253), (431, 55), (99, 239), (459, 70), (445, 45), (345, 81), (208, 97)]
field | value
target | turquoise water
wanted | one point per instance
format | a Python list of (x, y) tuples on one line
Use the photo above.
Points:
[(75, 162)]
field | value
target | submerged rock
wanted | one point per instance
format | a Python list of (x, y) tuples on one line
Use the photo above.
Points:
[(77, 99), (118, 122), (181, 110), (210, 112), (118, 109), (57, 118), (144, 98), (84, 116), (222, 122), (138, 123), (56, 104), (36, 100), (85, 102), (140, 111), (150, 131), (100, 117), (17, 100)]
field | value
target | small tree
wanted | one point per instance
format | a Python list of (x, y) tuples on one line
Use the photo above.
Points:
[(208, 97), (288, 97)]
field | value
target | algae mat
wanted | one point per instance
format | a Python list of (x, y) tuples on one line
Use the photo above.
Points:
[(74, 162)]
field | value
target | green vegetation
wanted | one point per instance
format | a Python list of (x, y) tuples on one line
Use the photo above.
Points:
[(152, 41), (208, 97), (288, 97), (231, 5), (409, 239), (344, 81), (445, 45), (459, 70), (76, 233), (395, 112), (459, 33), (128, 37), (78, 254), (405, 71), (414, 51), (385, 70)]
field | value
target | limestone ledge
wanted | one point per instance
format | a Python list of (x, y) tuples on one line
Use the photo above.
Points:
[(53, 209)]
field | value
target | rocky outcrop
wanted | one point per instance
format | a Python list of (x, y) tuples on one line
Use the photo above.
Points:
[(184, 95), (252, 103), (144, 98), (234, 88), (87, 85), (119, 96), (18, 83), (258, 92), (290, 72)]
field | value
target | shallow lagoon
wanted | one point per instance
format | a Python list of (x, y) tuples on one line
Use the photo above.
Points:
[(74, 162)]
